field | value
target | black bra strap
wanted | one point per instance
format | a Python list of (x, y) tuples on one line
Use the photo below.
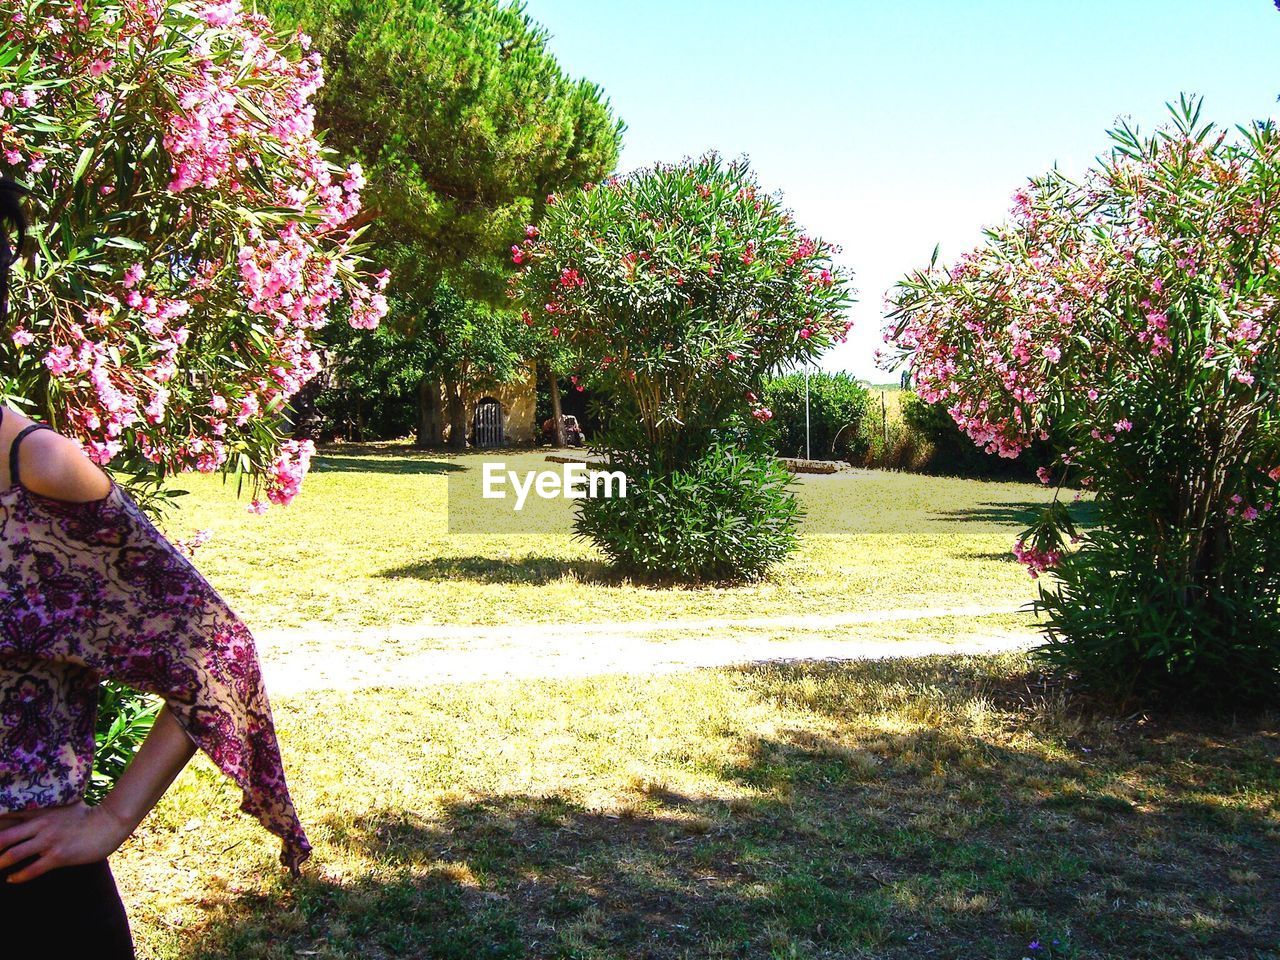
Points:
[(13, 450)]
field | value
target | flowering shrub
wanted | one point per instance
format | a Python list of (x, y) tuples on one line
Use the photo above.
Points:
[(675, 290), (192, 232), (948, 450), (1130, 319)]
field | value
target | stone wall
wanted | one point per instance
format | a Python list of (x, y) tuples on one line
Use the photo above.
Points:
[(517, 398)]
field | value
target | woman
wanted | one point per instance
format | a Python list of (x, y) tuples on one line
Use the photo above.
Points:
[(89, 589)]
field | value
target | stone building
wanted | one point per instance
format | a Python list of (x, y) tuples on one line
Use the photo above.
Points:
[(497, 415)]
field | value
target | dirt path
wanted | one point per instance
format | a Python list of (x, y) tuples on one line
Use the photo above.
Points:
[(329, 658)]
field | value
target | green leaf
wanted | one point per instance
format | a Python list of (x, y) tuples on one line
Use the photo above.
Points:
[(82, 164)]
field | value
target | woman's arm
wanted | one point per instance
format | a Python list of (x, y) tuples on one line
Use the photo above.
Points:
[(78, 833)]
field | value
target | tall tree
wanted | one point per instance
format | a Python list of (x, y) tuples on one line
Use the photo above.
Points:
[(380, 376), (465, 125)]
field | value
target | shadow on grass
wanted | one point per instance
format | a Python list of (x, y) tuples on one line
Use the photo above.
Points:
[(991, 556), (536, 570), (383, 463), (871, 841), (1019, 514), (540, 571)]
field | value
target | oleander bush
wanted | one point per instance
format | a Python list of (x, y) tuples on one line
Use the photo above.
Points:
[(949, 451), (1130, 320), (676, 291), (190, 234)]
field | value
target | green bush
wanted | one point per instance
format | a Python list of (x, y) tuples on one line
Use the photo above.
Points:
[(125, 718), (672, 294), (1125, 625), (838, 405), (727, 515)]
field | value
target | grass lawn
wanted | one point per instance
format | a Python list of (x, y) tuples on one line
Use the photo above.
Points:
[(368, 543), (944, 808)]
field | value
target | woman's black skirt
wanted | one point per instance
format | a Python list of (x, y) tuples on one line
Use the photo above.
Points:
[(71, 912)]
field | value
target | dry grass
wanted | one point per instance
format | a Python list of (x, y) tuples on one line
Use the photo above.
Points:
[(946, 807), (368, 543)]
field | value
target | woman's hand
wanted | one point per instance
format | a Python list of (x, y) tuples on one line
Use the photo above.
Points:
[(78, 833), (58, 837)]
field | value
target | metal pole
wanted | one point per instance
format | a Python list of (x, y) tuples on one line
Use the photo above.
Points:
[(807, 454)]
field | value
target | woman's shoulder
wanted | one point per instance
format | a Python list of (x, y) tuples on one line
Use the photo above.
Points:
[(57, 466)]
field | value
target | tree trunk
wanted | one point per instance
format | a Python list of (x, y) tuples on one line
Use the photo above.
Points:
[(425, 434), (456, 408), (557, 420)]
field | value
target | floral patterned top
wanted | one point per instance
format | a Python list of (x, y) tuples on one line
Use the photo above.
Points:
[(93, 590)]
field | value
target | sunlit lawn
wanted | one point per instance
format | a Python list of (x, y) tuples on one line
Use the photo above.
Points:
[(921, 808), (368, 543), (950, 807)]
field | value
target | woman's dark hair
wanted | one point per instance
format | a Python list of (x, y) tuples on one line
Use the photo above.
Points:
[(13, 235)]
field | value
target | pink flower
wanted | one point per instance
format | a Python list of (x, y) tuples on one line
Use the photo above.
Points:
[(59, 361), (284, 478), (1035, 560), (189, 545), (222, 14), (248, 409)]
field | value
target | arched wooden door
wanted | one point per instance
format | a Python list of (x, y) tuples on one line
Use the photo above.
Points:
[(488, 423)]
